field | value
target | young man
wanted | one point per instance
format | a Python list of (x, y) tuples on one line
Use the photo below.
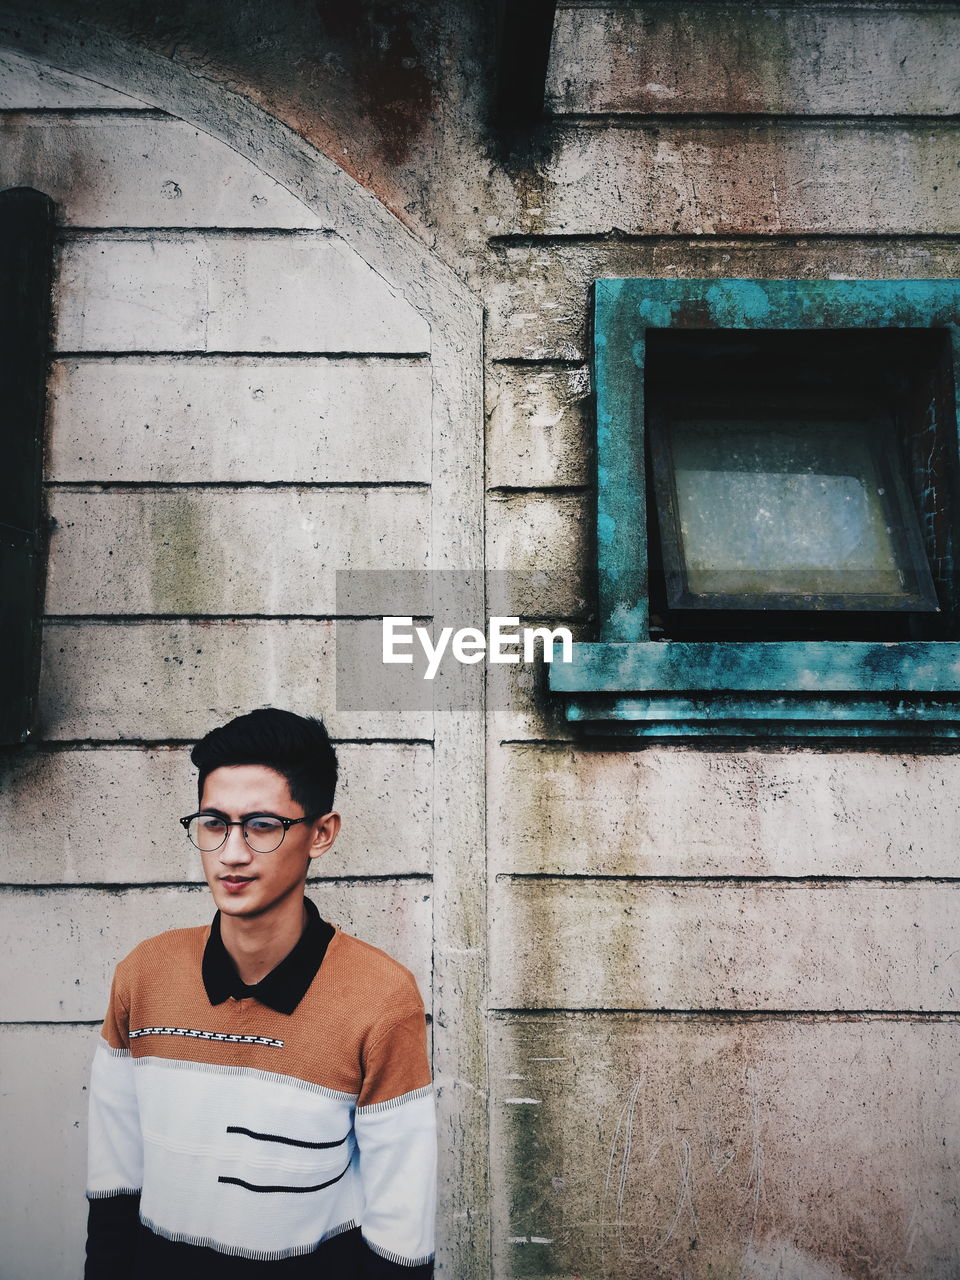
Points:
[(261, 1101)]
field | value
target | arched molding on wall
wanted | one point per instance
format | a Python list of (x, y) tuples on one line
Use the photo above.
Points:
[(454, 316)]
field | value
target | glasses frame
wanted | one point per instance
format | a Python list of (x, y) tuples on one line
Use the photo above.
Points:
[(241, 823)]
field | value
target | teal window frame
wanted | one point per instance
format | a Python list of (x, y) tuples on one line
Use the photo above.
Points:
[(626, 684)]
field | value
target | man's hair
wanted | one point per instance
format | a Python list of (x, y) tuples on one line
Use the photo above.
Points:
[(298, 747)]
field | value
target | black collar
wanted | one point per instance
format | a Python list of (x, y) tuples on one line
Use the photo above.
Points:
[(285, 985)]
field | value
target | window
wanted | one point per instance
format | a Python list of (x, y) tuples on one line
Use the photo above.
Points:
[(788, 472), (26, 249), (777, 511)]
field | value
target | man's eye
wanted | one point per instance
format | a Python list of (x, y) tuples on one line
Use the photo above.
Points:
[(261, 825), (213, 825)]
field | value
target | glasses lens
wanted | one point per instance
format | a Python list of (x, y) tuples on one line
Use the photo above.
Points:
[(263, 833), (207, 832)]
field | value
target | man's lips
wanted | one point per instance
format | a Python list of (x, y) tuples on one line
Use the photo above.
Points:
[(235, 883)]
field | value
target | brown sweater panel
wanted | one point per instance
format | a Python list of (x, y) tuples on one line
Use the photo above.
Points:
[(359, 1029)]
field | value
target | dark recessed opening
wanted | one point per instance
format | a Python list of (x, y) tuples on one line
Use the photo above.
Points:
[(27, 224), (801, 484)]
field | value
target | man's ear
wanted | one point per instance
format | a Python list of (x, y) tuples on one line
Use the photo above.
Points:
[(325, 831)]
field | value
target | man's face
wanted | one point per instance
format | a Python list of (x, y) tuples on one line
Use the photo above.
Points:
[(249, 884)]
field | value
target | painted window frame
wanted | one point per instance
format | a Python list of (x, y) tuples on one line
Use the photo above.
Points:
[(626, 684)]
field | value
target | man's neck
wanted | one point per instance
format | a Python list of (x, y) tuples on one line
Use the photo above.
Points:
[(257, 944)]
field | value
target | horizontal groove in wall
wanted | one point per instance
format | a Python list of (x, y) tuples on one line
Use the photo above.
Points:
[(502, 1013), (847, 6), (350, 358), (66, 234), (83, 1022), (635, 122), (411, 877), (134, 743), (718, 880), (129, 111), (406, 357), (627, 120), (178, 486), (512, 490), (165, 619), (67, 1022), (549, 362), (55, 746), (216, 619), (717, 240)]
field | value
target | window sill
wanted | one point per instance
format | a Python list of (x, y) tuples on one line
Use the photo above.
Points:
[(839, 690)]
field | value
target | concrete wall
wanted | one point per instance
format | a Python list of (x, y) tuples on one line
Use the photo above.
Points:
[(720, 1016), (723, 984), (242, 399)]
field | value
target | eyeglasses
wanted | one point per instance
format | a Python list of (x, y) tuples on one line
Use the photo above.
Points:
[(263, 832)]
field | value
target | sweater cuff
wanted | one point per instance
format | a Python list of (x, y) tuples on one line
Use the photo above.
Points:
[(376, 1267), (113, 1223)]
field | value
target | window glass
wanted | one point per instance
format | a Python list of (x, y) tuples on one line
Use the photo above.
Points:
[(790, 514)]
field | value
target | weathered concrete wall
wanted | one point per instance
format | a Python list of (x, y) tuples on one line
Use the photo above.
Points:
[(73, 836), (724, 984), (252, 387), (291, 420), (721, 1012), (774, 59), (680, 1145)]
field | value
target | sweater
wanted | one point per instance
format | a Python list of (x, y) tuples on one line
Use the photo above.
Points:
[(286, 1129)]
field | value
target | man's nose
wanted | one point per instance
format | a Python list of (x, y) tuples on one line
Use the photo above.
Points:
[(235, 849)]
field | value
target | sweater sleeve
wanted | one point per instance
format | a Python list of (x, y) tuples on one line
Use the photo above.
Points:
[(114, 1149), (395, 1127)]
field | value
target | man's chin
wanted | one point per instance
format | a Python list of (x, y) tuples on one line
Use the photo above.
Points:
[(235, 902)]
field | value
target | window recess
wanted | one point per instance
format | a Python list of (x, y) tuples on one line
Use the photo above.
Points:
[(777, 511), (26, 257)]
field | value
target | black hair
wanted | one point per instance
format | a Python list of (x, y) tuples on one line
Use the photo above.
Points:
[(298, 747)]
